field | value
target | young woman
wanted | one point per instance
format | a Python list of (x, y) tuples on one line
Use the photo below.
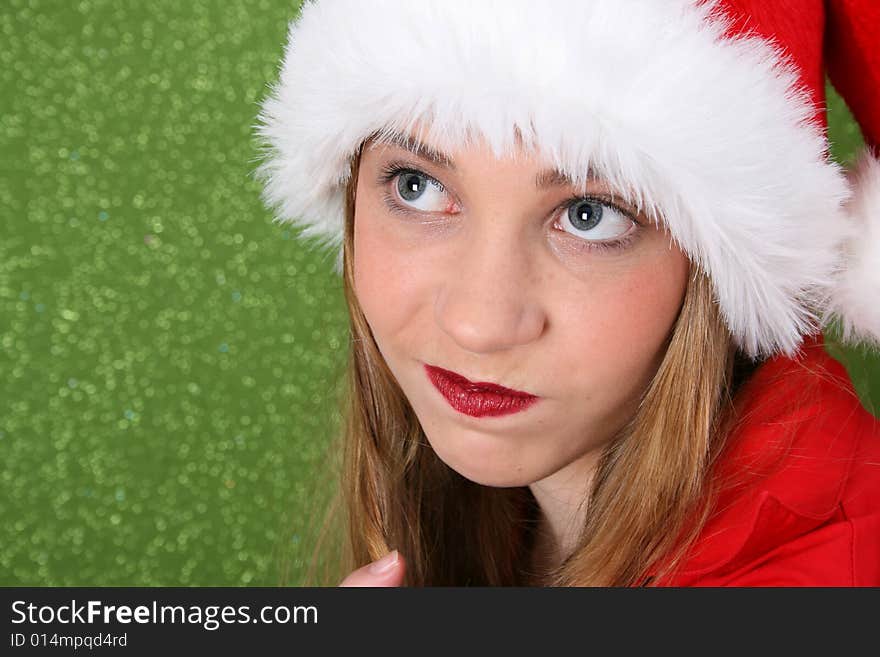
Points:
[(588, 248)]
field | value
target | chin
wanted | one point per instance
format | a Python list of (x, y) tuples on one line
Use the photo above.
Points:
[(486, 467), (493, 479)]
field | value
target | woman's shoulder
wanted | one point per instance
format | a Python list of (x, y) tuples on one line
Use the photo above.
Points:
[(798, 485)]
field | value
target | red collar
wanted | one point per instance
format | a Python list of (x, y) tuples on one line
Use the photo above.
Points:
[(783, 470)]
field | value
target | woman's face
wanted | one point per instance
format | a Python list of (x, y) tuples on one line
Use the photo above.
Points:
[(502, 273)]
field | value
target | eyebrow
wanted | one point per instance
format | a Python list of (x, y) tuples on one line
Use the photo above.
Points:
[(547, 178), (418, 149)]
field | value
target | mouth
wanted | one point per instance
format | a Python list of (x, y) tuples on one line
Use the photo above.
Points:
[(480, 398)]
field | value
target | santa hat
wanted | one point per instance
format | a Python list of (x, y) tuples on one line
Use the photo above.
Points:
[(708, 114)]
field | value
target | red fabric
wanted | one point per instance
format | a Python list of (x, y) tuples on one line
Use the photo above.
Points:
[(853, 53), (800, 484), (796, 27), (842, 36)]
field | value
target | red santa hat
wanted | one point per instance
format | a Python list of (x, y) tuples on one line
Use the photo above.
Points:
[(710, 115)]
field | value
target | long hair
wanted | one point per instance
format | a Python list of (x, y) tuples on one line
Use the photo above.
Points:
[(649, 498)]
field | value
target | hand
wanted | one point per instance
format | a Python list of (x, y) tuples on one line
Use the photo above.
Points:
[(387, 571)]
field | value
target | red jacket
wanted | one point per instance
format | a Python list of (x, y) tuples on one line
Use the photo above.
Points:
[(800, 499)]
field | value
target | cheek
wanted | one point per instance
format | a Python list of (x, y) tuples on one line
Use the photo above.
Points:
[(619, 327), (642, 305), (385, 277)]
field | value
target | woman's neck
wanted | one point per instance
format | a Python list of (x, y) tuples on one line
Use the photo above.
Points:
[(562, 498)]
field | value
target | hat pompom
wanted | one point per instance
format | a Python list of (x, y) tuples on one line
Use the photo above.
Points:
[(855, 297)]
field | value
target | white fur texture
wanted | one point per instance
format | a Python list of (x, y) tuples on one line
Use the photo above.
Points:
[(709, 134), (855, 299)]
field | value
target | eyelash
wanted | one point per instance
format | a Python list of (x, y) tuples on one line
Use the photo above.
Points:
[(393, 169)]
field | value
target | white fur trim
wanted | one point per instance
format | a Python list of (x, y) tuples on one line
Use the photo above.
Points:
[(709, 133), (855, 300)]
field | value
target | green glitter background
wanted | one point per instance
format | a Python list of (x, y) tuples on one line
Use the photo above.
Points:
[(170, 356)]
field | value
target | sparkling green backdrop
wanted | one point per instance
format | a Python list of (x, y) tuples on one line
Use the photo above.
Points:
[(169, 356)]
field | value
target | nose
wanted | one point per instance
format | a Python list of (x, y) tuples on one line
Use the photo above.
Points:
[(490, 300)]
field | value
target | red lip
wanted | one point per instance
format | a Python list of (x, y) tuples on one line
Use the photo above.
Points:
[(480, 398)]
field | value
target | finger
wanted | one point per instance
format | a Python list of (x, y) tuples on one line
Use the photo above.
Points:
[(387, 571)]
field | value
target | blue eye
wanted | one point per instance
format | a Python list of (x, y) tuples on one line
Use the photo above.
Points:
[(591, 219), (411, 186), (421, 192)]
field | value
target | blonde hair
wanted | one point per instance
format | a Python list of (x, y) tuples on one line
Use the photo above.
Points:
[(650, 495)]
